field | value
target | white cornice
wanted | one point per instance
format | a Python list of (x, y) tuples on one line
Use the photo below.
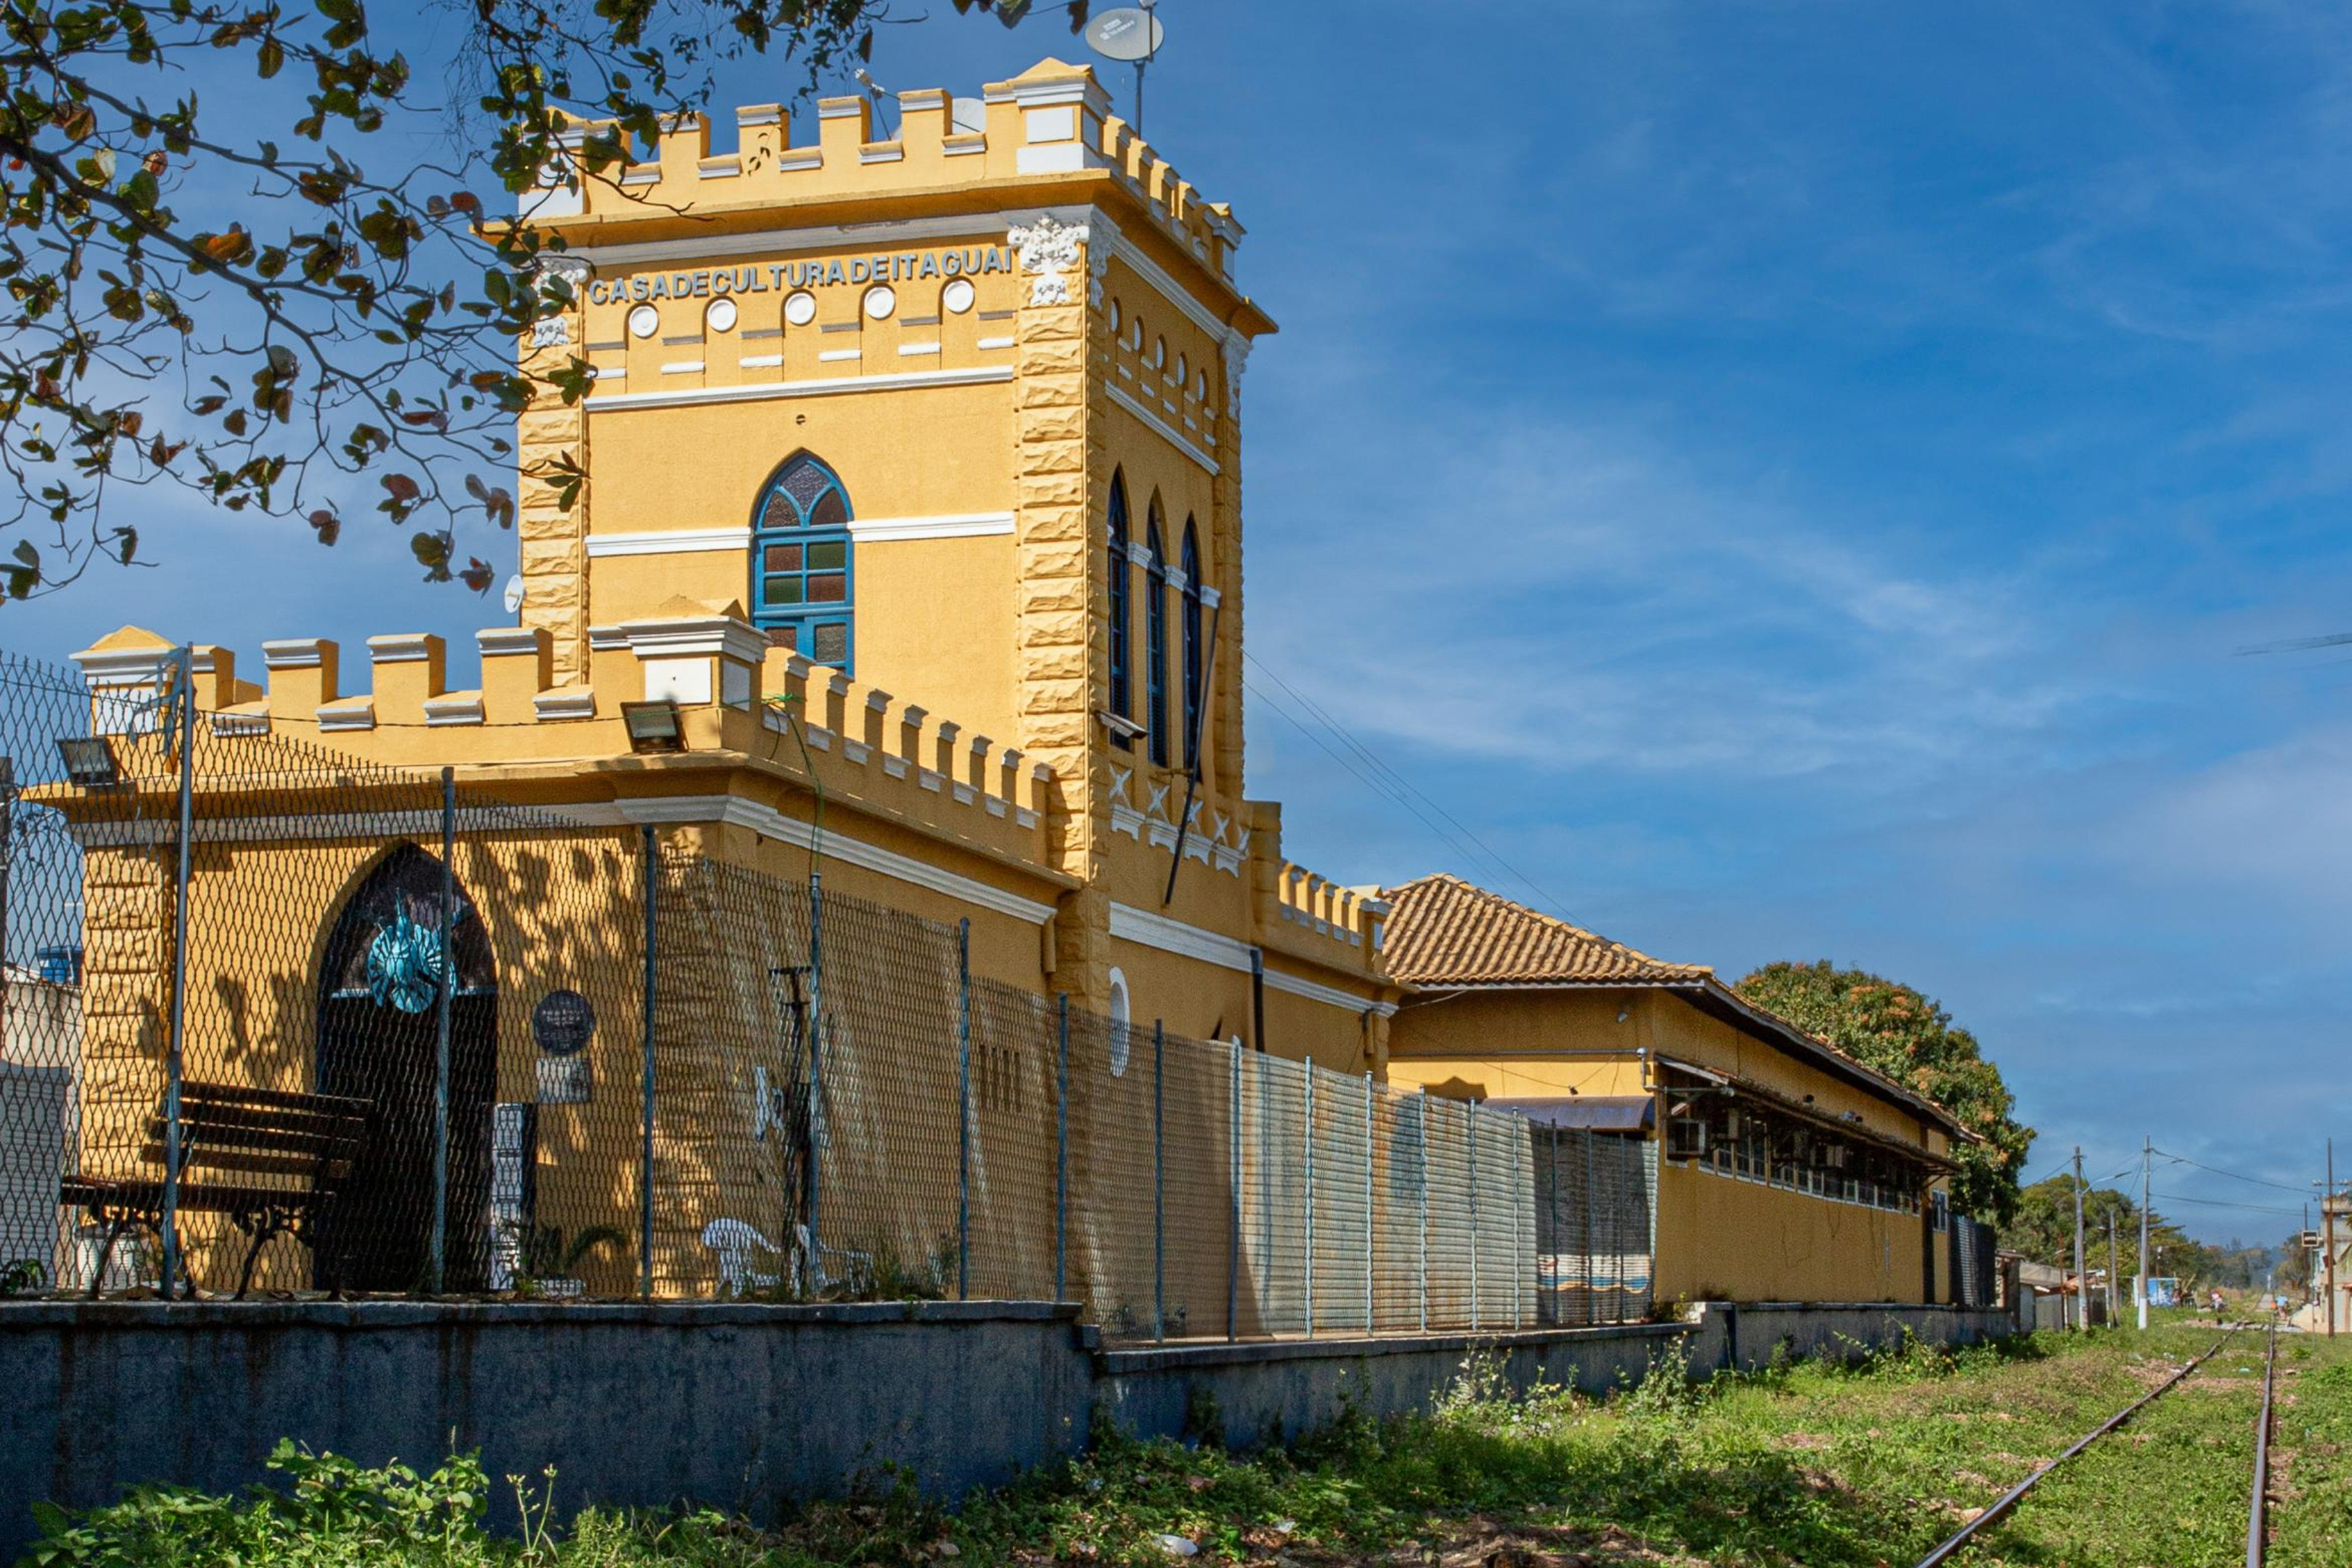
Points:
[(984, 228), (1175, 293), (1146, 928), (864, 530), (1168, 432), (685, 637), (401, 648), (500, 642), (819, 386), (767, 821)]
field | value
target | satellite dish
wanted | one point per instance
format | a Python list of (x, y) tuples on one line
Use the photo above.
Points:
[(1127, 32), (514, 592)]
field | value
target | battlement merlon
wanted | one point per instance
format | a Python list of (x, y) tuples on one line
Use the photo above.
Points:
[(1045, 138), (738, 700)]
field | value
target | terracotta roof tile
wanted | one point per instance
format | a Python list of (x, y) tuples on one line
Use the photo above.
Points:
[(1442, 930)]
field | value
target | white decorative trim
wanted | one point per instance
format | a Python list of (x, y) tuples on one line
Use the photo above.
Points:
[(688, 637), (948, 525), (293, 653), (1128, 820), (683, 367), (668, 542), (1165, 286), (1211, 597), (500, 642), (1047, 249), (1148, 930), (232, 722), (346, 715), (839, 356), (1173, 437), (881, 153), (401, 648), (971, 376), (993, 343), (565, 703), (760, 362), (910, 351), (768, 822), (642, 254), (457, 708)]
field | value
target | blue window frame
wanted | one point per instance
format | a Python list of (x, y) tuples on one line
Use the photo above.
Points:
[(1123, 613), (1155, 638), (801, 563), (1191, 645)]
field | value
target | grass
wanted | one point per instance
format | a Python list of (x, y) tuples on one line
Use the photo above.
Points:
[(1817, 1464)]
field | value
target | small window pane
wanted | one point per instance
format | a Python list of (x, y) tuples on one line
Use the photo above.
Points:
[(830, 511), (783, 558), (832, 554), (784, 637), (803, 480), (831, 644), (783, 590), (827, 588)]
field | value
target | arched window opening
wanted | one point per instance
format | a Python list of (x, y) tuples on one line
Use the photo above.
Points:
[(801, 563), (1122, 652), (1155, 638), (1119, 1025), (1192, 652)]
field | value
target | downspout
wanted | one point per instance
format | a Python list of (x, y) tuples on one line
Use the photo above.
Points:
[(1258, 997)]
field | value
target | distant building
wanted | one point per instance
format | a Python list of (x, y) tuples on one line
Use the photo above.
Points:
[(40, 1056)]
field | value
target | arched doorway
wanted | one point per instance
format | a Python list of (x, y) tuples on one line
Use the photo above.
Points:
[(378, 1020)]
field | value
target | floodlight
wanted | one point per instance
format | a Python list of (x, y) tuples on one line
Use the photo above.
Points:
[(90, 761), (653, 726)]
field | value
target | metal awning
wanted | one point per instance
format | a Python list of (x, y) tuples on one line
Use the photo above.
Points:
[(1590, 1112)]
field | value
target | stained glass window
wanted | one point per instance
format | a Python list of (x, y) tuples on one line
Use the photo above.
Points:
[(801, 589), (1122, 658)]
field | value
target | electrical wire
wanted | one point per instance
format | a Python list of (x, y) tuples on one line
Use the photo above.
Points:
[(2217, 1204), (1376, 775), (2233, 1175)]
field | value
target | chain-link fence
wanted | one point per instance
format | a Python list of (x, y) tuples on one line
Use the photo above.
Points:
[(281, 1021)]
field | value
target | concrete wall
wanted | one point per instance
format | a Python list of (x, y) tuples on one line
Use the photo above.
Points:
[(740, 1407)]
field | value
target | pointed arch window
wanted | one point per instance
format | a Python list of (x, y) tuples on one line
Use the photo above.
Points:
[(1193, 674), (1122, 630), (1155, 637), (801, 563)]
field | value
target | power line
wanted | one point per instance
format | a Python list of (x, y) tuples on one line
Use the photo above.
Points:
[(2217, 1203), (2233, 1175), (1386, 780)]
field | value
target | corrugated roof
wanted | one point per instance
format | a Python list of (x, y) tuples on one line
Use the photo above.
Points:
[(1442, 930)]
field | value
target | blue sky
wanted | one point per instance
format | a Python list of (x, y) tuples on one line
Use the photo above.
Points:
[(1793, 479)]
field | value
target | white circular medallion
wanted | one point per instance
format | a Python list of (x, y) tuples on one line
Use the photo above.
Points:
[(720, 317), (881, 301), (800, 307), (957, 297), (644, 322)]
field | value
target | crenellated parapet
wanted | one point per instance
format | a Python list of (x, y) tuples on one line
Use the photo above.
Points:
[(1310, 903), (734, 702), (1051, 121)]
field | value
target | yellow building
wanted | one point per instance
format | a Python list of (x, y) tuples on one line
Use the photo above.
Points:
[(1788, 1170), (908, 524)]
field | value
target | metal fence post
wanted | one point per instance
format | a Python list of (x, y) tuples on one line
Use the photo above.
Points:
[(645, 1155), (1159, 1187), (1308, 1270), (1470, 1137), (436, 1261), (1591, 1276), (816, 1107), (1234, 1246), (1423, 1101), (175, 1062), (1060, 1144), (1519, 1243), (1368, 1203), (963, 1108)]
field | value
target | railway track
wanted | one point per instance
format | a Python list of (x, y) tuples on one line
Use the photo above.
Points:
[(2257, 1521)]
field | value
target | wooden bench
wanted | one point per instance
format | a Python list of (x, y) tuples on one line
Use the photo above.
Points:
[(230, 1134)]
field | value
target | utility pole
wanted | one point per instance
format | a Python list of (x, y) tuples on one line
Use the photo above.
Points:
[(2113, 1298), (2082, 1280), (2327, 1234), (2139, 1289)]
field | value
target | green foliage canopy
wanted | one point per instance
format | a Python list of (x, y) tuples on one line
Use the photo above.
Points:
[(1909, 1038)]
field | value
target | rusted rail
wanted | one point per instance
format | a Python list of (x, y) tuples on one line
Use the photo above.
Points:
[(2008, 1499), (2258, 1511)]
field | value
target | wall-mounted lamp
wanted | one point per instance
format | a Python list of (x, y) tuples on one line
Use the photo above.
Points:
[(90, 761), (653, 726)]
